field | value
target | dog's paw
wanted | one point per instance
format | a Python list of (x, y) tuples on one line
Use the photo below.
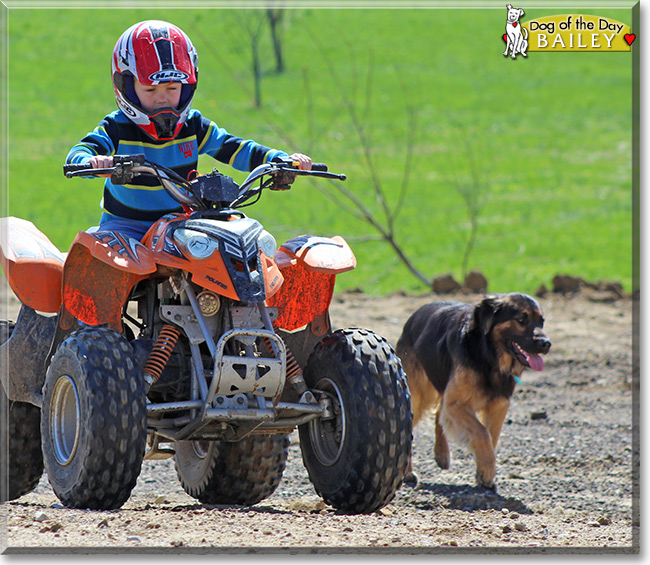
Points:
[(443, 459), (491, 488), (411, 479), (486, 483)]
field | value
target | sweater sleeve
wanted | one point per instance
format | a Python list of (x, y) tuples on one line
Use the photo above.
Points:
[(97, 142), (241, 154)]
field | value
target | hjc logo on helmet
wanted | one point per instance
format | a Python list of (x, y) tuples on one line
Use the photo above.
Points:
[(168, 76)]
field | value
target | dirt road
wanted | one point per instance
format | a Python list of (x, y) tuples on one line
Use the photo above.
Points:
[(565, 469)]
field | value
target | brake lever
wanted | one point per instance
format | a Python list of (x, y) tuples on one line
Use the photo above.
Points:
[(315, 173)]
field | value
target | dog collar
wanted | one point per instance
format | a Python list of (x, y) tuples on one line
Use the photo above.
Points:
[(517, 380), (514, 23)]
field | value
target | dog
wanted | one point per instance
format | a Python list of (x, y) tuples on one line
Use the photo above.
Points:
[(464, 360), (517, 40)]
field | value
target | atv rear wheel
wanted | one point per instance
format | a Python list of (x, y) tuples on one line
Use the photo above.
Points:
[(357, 452), (23, 435), (94, 420), (243, 472)]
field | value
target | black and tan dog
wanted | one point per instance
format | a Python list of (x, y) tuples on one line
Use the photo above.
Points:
[(464, 360)]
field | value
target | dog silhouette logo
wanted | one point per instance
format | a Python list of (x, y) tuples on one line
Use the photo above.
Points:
[(516, 37)]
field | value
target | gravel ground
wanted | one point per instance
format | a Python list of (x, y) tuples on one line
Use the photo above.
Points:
[(566, 462)]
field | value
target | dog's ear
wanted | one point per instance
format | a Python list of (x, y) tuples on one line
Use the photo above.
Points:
[(521, 13), (484, 313), (509, 6)]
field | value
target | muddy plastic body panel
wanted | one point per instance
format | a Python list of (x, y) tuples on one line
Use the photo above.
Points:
[(309, 266), (24, 354), (32, 264), (100, 271)]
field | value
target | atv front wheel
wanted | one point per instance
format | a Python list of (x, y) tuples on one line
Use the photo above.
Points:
[(357, 452), (94, 420), (242, 472), (23, 435)]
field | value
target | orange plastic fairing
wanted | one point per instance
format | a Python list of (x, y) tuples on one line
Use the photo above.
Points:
[(32, 264), (309, 265), (323, 254), (273, 278), (94, 288), (210, 273), (117, 250), (304, 295)]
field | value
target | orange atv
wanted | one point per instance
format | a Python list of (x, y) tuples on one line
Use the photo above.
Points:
[(203, 342)]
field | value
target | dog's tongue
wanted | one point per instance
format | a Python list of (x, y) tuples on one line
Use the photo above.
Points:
[(535, 361)]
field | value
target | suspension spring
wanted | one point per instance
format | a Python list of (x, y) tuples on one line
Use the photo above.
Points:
[(160, 353), (294, 372), (293, 368)]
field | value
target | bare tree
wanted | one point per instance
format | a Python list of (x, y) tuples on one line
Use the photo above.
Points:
[(343, 197), (275, 17), (253, 22), (384, 223), (474, 191)]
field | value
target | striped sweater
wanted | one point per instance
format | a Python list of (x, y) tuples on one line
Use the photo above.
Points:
[(145, 200)]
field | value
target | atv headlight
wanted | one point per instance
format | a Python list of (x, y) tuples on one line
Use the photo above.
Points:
[(197, 244), (267, 244)]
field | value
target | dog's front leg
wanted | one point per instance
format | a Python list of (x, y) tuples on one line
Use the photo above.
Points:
[(460, 422), (505, 53), (493, 416)]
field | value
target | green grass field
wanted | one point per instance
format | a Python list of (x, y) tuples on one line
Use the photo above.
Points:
[(550, 136)]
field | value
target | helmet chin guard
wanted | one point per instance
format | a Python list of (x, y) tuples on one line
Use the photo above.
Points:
[(154, 52)]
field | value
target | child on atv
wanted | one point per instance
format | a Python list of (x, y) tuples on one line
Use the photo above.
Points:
[(155, 72)]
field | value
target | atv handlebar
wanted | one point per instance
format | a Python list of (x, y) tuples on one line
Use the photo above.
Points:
[(281, 171)]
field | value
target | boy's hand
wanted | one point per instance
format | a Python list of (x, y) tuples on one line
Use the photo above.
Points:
[(304, 161), (101, 162)]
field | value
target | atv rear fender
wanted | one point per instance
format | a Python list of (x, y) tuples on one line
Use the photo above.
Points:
[(309, 265), (32, 264), (23, 356), (100, 271)]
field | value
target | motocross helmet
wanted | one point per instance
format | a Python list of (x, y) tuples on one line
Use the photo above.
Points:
[(154, 52)]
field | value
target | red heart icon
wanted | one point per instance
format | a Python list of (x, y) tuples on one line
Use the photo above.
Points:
[(514, 24), (505, 38), (629, 38)]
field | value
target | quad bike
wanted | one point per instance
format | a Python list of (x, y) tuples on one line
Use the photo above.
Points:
[(202, 342)]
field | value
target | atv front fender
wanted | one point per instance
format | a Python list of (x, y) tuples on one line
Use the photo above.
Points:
[(100, 271), (23, 356), (309, 266)]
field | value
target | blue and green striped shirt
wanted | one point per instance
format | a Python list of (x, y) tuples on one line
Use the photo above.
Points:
[(145, 200)]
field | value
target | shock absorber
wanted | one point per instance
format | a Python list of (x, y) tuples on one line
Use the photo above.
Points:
[(294, 372), (160, 354)]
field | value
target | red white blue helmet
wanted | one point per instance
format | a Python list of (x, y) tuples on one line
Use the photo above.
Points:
[(154, 52)]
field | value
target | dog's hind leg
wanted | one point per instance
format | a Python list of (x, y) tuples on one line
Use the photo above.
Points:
[(423, 396), (442, 454)]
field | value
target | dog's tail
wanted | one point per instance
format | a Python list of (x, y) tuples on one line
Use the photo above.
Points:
[(525, 32)]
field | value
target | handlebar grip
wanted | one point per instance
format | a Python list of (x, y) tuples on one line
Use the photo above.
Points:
[(76, 167), (137, 159), (321, 167)]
